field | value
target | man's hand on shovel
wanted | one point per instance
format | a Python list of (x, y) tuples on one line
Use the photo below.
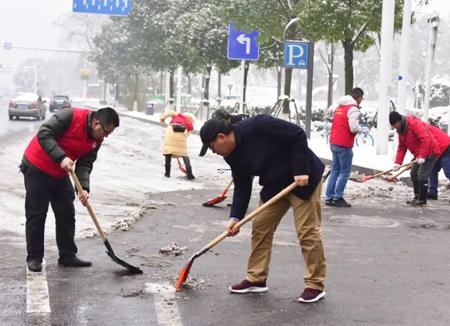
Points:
[(230, 227), (83, 197)]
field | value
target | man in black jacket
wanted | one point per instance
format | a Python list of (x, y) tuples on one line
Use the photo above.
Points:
[(69, 136), (277, 152)]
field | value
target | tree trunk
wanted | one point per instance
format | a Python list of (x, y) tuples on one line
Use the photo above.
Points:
[(136, 86), (189, 85), (171, 83), (287, 88), (161, 82), (348, 59), (330, 76), (219, 87), (207, 78), (244, 91)]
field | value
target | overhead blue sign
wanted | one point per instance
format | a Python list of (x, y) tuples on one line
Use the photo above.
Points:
[(296, 54), (107, 7), (242, 45)]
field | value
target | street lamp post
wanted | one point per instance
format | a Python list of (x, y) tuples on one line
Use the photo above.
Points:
[(35, 77), (434, 21)]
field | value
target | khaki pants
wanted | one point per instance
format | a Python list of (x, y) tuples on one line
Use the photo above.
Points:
[(307, 218)]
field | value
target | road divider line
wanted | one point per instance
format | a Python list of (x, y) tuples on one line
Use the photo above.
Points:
[(37, 292), (166, 307)]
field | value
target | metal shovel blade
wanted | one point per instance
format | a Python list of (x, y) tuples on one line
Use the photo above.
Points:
[(110, 252)]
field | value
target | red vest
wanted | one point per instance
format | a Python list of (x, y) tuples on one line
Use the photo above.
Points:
[(340, 130), (75, 143)]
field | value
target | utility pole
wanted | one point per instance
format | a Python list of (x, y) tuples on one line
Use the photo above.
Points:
[(404, 57), (434, 21), (387, 34)]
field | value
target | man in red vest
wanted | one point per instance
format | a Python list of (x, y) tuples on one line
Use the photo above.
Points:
[(414, 135), (344, 128), (68, 136)]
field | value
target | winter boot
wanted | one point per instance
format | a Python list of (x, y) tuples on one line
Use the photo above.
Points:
[(168, 161), (167, 174), (423, 192), (190, 176), (416, 193)]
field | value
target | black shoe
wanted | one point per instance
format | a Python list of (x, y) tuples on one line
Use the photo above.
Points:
[(167, 175), (73, 261), (418, 202), (432, 196), (412, 201), (341, 203), (34, 265), (329, 202), (190, 177)]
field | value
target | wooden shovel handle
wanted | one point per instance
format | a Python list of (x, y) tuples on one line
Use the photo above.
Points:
[(390, 170), (226, 189), (88, 206), (250, 216)]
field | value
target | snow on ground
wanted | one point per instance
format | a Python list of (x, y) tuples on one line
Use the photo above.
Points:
[(130, 166)]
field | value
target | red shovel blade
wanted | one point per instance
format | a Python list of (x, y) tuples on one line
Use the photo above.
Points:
[(214, 201), (182, 276)]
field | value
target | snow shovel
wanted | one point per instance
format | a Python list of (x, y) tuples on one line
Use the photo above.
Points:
[(220, 198), (109, 252), (180, 166), (182, 276), (370, 177), (393, 178)]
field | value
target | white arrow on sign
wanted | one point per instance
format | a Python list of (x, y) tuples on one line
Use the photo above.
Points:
[(245, 40)]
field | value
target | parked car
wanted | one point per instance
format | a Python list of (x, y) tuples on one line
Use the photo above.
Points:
[(60, 102), (27, 105)]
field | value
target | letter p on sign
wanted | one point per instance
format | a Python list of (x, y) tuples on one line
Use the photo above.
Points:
[(296, 54)]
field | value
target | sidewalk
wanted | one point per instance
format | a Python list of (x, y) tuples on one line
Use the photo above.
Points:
[(365, 159)]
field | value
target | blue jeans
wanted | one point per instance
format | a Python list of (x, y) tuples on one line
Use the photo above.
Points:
[(341, 167), (444, 163)]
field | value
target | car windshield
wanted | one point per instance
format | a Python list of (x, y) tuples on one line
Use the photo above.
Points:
[(60, 97)]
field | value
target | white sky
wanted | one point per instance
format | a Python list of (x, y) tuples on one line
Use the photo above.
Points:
[(29, 22)]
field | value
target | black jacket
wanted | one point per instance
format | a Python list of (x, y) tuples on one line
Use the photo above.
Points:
[(276, 151)]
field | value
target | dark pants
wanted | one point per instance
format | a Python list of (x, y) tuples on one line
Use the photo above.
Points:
[(422, 172), (187, 164), (42, 189), (444, 164)]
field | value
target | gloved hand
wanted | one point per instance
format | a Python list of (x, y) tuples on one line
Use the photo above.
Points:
[(396, 167), (420, 161)]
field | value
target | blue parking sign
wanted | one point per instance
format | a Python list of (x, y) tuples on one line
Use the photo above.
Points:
[(107, 7), (242, 45), (296, 54)]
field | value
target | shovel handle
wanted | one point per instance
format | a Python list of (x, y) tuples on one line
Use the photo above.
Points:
[(250, 216), (88, 206), (390, 170), (226, 188)]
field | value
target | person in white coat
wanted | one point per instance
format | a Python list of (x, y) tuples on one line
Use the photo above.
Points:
[(344, 128)]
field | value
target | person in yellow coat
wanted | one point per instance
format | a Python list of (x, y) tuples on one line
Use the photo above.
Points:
[(175, 139)]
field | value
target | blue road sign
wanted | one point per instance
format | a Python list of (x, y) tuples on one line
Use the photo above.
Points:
[(107, 7), (296, 54), (242, 45)]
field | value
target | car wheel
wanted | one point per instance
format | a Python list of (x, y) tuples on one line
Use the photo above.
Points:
[(11, 117)]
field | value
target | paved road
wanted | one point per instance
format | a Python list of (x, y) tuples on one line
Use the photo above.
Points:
[(387, 265)]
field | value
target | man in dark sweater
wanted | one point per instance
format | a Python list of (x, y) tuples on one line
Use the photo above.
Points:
[(68, 136), (277, 152)]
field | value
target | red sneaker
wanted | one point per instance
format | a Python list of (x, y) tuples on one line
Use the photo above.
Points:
[(249, 287), (311, 295)]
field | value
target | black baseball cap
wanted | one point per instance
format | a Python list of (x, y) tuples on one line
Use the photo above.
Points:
[(209, 132)]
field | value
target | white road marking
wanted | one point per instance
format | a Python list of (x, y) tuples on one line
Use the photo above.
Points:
[(166, 307), (38, 303)]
